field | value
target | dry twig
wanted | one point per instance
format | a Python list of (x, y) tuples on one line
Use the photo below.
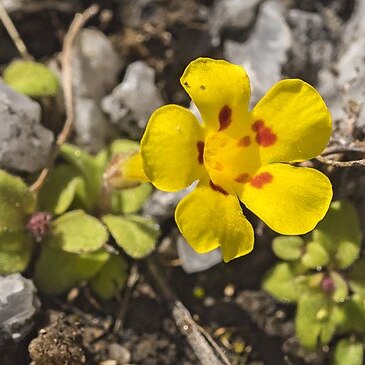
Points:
[(131, 282), (334, 163), (14, 34), (66, 62), (203, 345)]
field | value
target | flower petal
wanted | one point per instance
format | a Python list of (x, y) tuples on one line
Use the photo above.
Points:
[(290, 200), (220, 90), (210, 218), (172, 148), (291, 122)]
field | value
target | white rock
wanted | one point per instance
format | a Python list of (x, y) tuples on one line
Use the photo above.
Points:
[(96, 68), (231, 13), (18, 305), (96, 64), (265, 52), (24, 143), (350, 70), (92, 127), (192, 261), (132, 102)]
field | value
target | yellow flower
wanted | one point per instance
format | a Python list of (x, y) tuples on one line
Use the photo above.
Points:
[(235, 152)]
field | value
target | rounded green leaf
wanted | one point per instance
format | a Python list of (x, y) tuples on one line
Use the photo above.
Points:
[(353, 311), (316, 320), (282, 283), (339, 233), (315, 256), (59, 190), (57, 271), (288, 247), (16, 202), (131, 200), (341, 291), (31, 78), (348, 352), (15, 252), (77, 232), (111, 278), (136, 235)]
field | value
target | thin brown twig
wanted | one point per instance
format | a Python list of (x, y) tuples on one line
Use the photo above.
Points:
[(342, 149), (131, 282), (67, 73), (334, 163), (203, 345), (14, 34)]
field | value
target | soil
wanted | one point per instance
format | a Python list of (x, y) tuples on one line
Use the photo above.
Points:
[(248, 325)]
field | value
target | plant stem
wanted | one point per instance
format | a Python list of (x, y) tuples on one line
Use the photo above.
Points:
[(67, 76)]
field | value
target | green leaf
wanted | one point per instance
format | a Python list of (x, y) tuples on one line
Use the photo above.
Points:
[(59, 190), (353, 312), (31, 78), (77, 232), (129, 201), (111, 278), (356, 277), (348, 352), (283, 283), (315, 256), (316, 320), (288, 247), (15, 252), (136, 235), (339, 233), (341, 288), (16, 202), (89, 168), (57, 271)]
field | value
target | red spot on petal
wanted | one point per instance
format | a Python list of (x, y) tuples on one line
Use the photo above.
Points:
[(244, 141), (242, 178), (217, 188), (225, 118), (200, 147), (261, 179), (264, 135)]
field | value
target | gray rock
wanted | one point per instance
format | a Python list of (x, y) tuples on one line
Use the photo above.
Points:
[(231, 13), (311, 48), (96, 68), (132, 102), (161, 205), (119, 353), (24, 143), (265, 52), (348, 83), (92, 127), (96, 65), (192, 261), (18, 305)]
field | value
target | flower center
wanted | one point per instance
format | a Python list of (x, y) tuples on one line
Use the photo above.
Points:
[(231, 160)]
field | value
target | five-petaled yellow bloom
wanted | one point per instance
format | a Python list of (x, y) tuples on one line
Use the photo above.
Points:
[(237, 154)]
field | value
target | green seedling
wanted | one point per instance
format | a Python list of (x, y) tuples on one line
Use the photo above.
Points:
[(323, 274), (76, 218)]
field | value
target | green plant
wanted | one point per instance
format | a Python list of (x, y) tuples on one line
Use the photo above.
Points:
[(323, 274), (74, 217), (31, 78)]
